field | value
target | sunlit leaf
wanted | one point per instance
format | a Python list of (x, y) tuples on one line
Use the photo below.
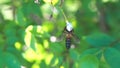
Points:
[(30, 37), (47, 26), (49, 1), (30, 25), (30, 55), (4, 1)]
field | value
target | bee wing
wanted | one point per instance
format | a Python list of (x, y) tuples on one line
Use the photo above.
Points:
[(76, 39), (61, 37)]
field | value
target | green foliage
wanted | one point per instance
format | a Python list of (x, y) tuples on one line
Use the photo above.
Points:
[(99, 40), (8, 60), (29, 31), (113, 60), (89, 61)]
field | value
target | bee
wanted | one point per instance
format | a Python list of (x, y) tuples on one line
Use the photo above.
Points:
[(68, 32)]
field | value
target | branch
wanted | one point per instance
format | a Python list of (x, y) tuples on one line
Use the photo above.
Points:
[(114, 42), (102, 16)]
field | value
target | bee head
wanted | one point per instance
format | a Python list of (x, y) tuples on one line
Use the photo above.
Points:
[(69, 26)]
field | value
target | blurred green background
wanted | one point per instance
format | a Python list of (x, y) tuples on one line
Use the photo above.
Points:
[(28, 33)]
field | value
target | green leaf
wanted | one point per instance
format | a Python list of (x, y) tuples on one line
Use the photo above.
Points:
[(89, 61), (11, 40), (20, 18), (60, 59), (99, 40), (4, 1), (56, 48), (103, 64), (2, 41), (54, 62), (17, 54), (30, 36), (43, 64), (31, 8), (1, 59), (92, 51), (1, 62), (112, 57), (74, 55), (66, 64), (10, 61), (10, 32), (117, 46), (33, 42)]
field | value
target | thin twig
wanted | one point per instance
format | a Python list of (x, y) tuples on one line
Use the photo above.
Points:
[(114, 42)]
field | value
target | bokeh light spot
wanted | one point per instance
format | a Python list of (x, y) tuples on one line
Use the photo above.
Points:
[(46, 44), (18, 45), (53, 39)]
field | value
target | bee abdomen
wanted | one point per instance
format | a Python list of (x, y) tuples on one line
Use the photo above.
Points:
[(68, 43)]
